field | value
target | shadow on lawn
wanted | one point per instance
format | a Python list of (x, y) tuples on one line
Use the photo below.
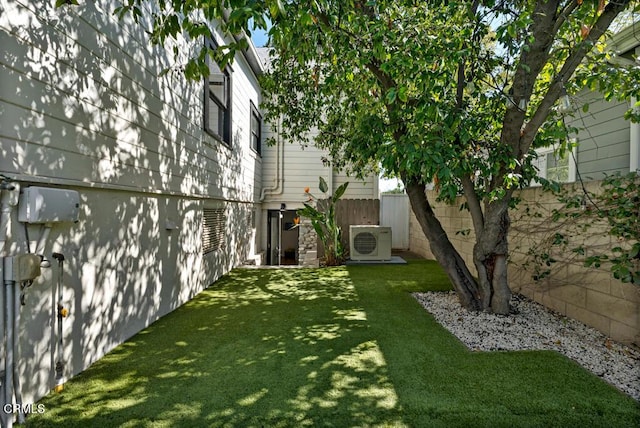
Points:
[(259, 348), (330, 347)]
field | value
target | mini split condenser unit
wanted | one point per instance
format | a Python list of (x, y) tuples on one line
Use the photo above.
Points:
[(370, 242)]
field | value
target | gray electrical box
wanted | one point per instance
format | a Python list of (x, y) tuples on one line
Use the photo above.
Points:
[(48, 205), (23, 267)]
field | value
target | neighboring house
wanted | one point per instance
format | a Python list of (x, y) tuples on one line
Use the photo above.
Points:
[(607, 143), (168, 173), (287, 169)]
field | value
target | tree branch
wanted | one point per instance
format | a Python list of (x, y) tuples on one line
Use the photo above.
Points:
[(564, 15), (611, 11), (474, 204), (531, 62), (461, 65)]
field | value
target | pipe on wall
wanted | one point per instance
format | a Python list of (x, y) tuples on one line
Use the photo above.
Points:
[(8, 200), (279, 186), (7, 382), (17, 390)]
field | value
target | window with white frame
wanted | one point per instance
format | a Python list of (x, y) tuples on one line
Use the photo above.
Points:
[(217, 102), (552, 166), (256, 129)]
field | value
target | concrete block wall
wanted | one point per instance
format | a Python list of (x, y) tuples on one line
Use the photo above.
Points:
[(592, 296)]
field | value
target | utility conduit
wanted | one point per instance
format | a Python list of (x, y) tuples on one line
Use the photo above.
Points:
[(7, 381), (61, 313), (8, 200), (19, 271)]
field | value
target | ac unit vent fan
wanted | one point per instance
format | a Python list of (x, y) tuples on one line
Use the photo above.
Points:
[(365, 242), (370, 242)]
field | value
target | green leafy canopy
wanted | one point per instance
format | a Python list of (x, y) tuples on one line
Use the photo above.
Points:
[(440, 90)]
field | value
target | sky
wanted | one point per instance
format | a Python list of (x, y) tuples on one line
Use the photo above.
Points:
[(386, 184), (258, 36)]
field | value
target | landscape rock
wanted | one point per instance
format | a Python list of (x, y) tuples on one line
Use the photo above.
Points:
[(531, 326)]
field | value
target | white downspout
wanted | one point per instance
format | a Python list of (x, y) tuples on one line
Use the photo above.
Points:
[(278, 188)]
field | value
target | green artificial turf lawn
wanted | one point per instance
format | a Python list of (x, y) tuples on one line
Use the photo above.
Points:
[(339, 347)]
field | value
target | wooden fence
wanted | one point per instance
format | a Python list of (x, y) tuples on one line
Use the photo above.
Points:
[(351, 212)]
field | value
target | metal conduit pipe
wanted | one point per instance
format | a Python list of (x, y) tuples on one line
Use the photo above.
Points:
[(8, 200), (60, 315), (17, 391), (7, 383), (3, 338), (3, 341)]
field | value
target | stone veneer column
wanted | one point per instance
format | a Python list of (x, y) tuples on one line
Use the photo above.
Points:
[(307, 244)]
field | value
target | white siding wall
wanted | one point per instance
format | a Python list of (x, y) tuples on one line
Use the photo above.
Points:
[(603, 136), (301, 168), (357, 189), (83, 106)]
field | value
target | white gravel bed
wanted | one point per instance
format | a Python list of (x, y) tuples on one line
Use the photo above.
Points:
[(532, 326)]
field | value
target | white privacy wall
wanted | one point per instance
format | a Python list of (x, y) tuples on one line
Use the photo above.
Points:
[(83, 106)]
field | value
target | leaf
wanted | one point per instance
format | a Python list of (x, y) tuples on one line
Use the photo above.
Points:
[(635, 251), (319, 232), (391, 95), (60, 3), (323, 185), (402, 94), (340, 191)]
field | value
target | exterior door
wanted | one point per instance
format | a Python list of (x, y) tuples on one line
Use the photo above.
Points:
[(282, 238), (274, 224)]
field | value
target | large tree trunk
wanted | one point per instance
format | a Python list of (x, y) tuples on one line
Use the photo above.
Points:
[(490, 258), (490, 292)]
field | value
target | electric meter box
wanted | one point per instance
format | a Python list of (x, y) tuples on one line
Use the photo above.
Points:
[(48, 205)]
